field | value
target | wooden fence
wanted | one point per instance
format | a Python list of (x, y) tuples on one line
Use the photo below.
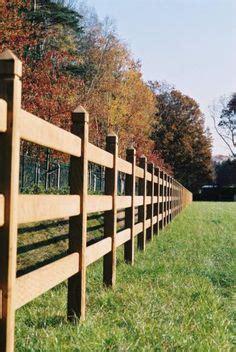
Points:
[(160, 198)]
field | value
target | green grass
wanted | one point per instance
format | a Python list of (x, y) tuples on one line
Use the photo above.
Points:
[(177, 297)]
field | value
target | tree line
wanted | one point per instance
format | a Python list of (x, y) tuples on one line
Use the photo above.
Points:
[(70, 57)]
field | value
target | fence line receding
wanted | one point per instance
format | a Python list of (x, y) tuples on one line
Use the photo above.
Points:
[(160, 198)]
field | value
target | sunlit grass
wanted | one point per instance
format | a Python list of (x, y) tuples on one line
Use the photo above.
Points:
[(177, 297)]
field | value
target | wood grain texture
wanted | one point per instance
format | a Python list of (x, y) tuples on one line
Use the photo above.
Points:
[(34, 284), (98, 250), (139, 172), (33, 208), (99, 203), (10, 91), (39, 131), (138, 201), (123, 202), (99, 156), (123, 237), (76, 307), (124, 166), (138, 228)]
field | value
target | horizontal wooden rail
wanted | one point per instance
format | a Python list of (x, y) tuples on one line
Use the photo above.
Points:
[(138, 200), (160, 198), (123, 237), (123, 202), (99, 203), (124, 166), (99, 156), (32, 285), (98, 250), (139, 172), (34, 208), (149, 177), (36, 130)]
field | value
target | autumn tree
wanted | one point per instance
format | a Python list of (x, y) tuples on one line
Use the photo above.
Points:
[(181, 138), (71, 58), (43, 35)]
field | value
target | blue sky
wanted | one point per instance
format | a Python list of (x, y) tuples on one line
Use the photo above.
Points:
[(189, 43)]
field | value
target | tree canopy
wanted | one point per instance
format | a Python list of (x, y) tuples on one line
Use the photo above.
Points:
[(70, 58), (181, 138)]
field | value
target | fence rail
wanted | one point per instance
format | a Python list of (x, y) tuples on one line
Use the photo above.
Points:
[(160, 198)]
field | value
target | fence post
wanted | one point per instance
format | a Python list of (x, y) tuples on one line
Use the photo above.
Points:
[(151, 206), (78, 224), (166, 202), (142, 210), (169, 210), (166, 199), (157, 194), (171, 195), (162, 200), (130, 212), (110, 216), (10, 91)]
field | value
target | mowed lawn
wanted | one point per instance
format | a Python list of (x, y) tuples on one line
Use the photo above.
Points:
[(177, 297)]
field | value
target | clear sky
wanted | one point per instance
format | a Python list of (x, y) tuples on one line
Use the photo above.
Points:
[(189, 43)]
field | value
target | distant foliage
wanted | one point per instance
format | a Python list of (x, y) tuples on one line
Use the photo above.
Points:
[(71, 59), (181, 138), (225, 173)]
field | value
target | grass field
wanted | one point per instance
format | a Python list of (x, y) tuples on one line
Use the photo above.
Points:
[(177, 297)]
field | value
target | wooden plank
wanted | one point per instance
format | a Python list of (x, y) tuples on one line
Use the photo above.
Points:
[(124, 166), (149, 177), (10, 91), (3, 115), (152, 170), (148, 223), (2, 205), (139, 172), (169, 200), (142, 210), (99, 156), (98, 250), (39, 131), (123, 237), (138, 201), (163, 199), (110, 217), (98, 203), (123, 202), (130, 186), (34, 284), (33, 208), (138, 228), (76, 302), (154, 220)]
